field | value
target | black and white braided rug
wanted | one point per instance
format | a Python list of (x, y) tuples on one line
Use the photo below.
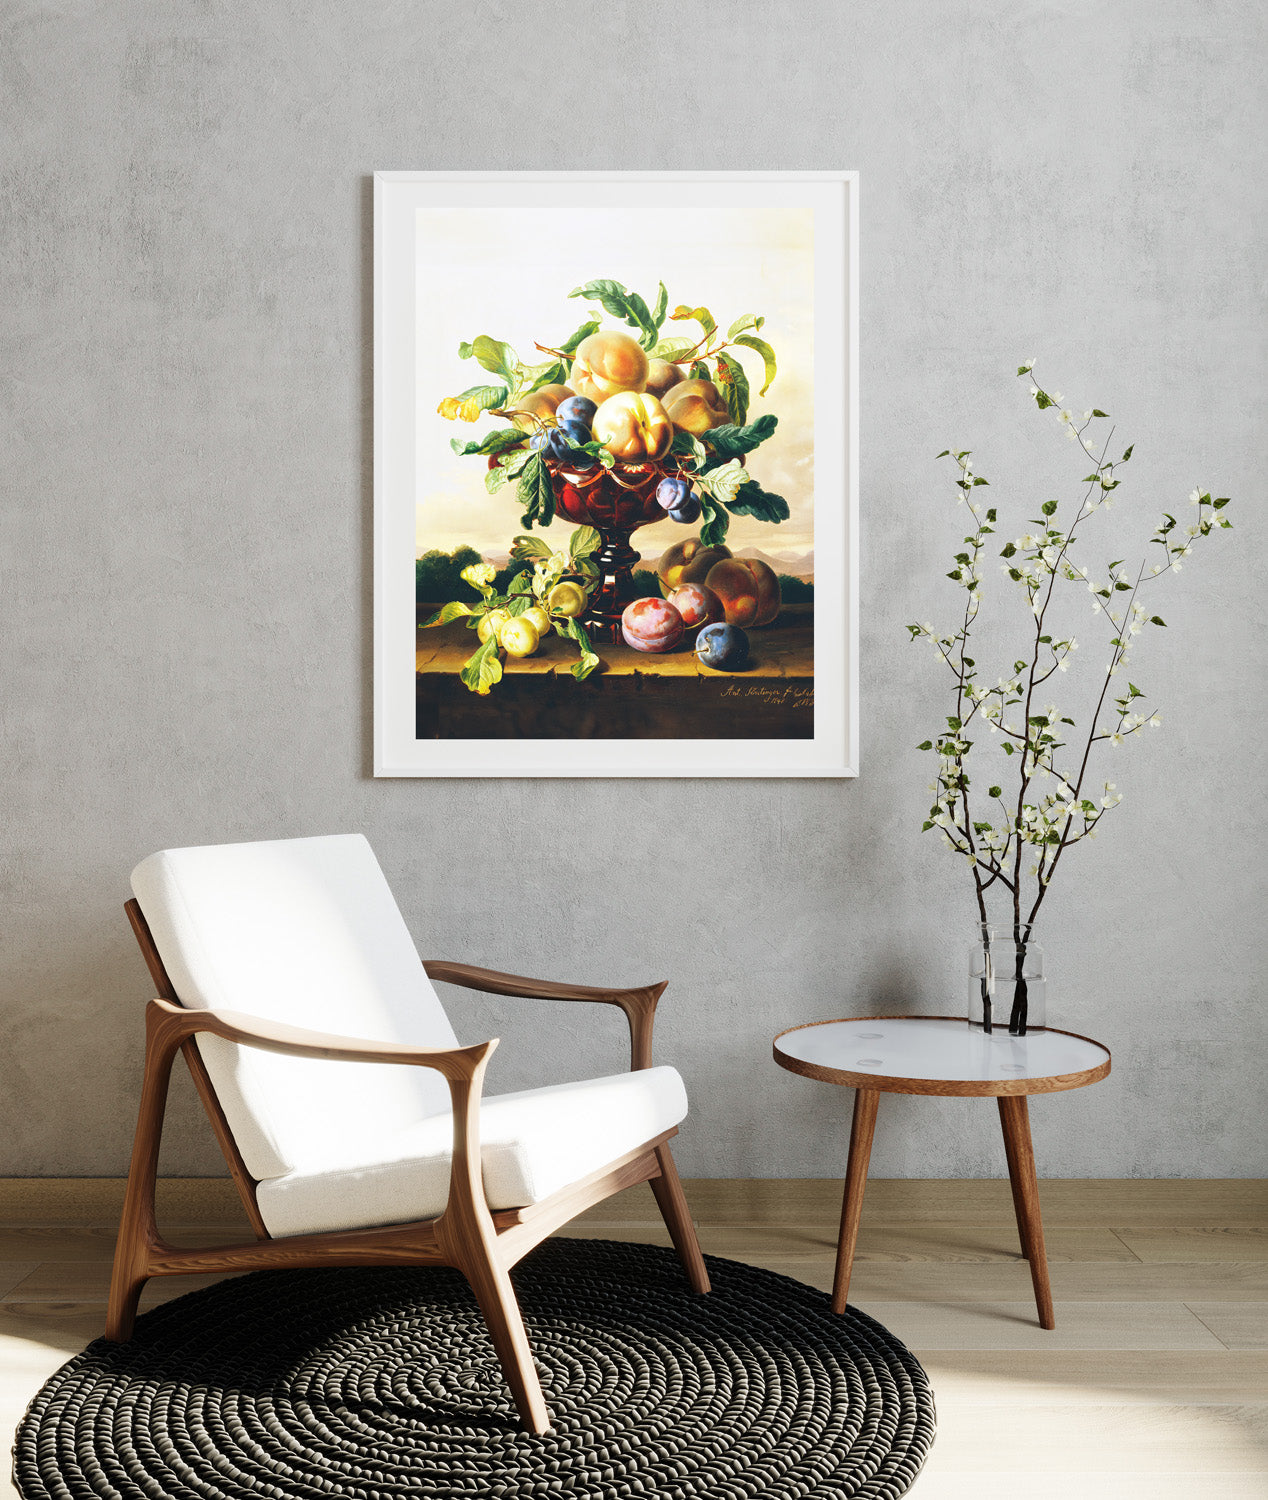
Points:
[(381, 1382)]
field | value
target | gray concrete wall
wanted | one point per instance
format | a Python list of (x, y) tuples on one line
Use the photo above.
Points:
[(186, 608)]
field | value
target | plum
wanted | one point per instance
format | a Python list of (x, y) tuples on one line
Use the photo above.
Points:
[(537, 407), (672, 493), (576, 409), (552, 443), (722, 647), (697, 605), (577, 433), (688, 512), (651, 625)]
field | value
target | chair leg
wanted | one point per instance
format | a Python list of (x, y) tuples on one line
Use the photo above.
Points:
[(496, 1296), (677, 1216), (125, 1293)]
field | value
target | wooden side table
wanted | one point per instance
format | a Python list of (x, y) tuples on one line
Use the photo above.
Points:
[(944, 1056)]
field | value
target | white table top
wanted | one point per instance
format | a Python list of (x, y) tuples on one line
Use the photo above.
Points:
[(898, 1054)]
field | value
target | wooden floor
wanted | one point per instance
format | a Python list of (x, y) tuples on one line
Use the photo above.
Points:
[(1154, 1384)]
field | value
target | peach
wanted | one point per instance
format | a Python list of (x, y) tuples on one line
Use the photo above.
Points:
[(662, 377), (687, 562), (748, 589), (633, 425), (540, 404), (696, 405), (606, 363)]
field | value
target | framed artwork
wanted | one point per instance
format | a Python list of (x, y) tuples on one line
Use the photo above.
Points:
[(616, 473)]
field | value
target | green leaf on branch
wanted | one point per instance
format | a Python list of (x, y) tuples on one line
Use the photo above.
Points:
[(744, 322), (993, 791), (483, 670), (735, 388), (1156, 620), (530, 548), (589, 661), (752, 500), (714, 522), (497, 478), (673, 349), (700, 315), (536, 493), (723, 482), (662, 306), (623, 304), (699, 370), (1098, 413), (1048, 507), (495, 356), (497, 441), (1127, 454), (553, 372), (730, 440), (584, 541), (946, 453), (569, 345), (454, 611), (688, 444), (768, 357)]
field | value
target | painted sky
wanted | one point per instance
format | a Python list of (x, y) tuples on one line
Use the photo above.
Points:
[(507, 272)]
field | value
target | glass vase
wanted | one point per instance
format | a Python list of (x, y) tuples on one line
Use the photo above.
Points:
[(1008, 993)]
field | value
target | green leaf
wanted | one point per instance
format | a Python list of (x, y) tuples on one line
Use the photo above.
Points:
[(553, 372), (994, 791), (979, 480), (1220, 504), (946, 453), (497, 478), (714, 523), (1127, 454), (752, 500), (699, 370), (589, 661), (623, 304), (723, 482), (1156, 620), (454, 611), (483, 670), (495, 356), (672, 349), (701, 315), (584, 541), (662, 306), (1048, 507), (768, 357), (530, 547), (536, 493), (1096, 412), (569, 345), (688, 444), (1008, 749), (1042, 400), (744, 322), (732, 440), (735, 388), (925, 745), (497, 441)]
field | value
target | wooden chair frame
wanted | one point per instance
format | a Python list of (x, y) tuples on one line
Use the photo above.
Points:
[(481, 1243)]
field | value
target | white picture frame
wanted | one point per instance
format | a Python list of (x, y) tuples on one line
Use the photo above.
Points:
[(416, 286)]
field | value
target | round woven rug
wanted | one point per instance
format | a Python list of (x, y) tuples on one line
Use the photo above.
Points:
[(382, 1382)]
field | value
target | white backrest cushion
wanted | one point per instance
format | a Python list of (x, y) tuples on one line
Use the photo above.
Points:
[(303, 931)]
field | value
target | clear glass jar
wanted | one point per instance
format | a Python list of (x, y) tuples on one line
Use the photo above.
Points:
[(1008, 993)]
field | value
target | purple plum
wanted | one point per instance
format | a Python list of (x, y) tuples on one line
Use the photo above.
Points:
[(576, 409), (722, 647), (651, 625), (673, 494)]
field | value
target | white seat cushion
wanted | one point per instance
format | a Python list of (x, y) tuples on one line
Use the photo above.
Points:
[(531, 1144)]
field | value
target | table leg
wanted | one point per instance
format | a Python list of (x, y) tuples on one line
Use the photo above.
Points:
[(1015, 1118), (862, 1129)]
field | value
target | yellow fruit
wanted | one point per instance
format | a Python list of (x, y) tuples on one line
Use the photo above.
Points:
[(568, 599), (491, 623), (540, 405), (606, 363), (696, 406), (633, 425), (518, 636), (538, 615)]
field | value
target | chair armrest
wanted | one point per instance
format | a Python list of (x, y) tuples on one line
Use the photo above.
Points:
[(639, 1005), (169, 1027), (179, 1024)]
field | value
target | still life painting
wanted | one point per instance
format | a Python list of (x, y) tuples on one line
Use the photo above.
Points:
[(614, 439)]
